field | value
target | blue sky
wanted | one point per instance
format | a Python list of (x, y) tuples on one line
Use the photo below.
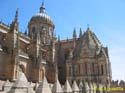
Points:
[(105, 17)]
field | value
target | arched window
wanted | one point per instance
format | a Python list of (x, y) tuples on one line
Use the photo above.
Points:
[(85, 68), (33, 30), (105, 69), (102, 71), (79, 72), (92, 69), (70, 71)]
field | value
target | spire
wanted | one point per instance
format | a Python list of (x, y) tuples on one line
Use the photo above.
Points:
[(14, 24), (80, 33), (74, 38), (67, 88), (21, 81), (57, 87), (74, 34), (86, 86), (42, 8), (43, 87), (88, 28), (81, 85), (75, 87), (16, 15)]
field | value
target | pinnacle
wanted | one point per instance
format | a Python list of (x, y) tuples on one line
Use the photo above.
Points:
[(67, 87), (75, 87), (21, 81), (43, 87), (57, 87)]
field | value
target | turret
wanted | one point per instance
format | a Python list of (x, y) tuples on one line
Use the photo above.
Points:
[(14, 25), (41, 23), (12, 37), (74, 37)]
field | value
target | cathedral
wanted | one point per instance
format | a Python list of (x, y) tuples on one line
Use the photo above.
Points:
[(39, 53)]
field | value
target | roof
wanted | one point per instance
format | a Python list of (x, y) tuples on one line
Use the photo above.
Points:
[(88, 42), (42, 16), (91, 39)]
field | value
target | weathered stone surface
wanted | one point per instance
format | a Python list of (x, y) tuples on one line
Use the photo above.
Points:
[(21, 81), (86, 87), (57, 87), (43, 87), (81, 87), (75, 87), (67, 87), (21, 85), (7, 86), (79, 58)]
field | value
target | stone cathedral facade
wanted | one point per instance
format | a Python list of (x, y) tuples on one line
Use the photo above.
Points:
[(39, 53)]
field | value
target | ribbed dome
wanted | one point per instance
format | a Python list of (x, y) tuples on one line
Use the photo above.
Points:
[(42, 16)]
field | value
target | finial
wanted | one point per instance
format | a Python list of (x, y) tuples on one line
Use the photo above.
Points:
[(88, 29), (42, 8), (16, 15)]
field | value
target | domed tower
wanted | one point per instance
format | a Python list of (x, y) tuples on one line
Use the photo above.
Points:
[(41, 31), (41, 24)]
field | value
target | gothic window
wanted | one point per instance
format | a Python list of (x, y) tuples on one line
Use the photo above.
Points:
[(98, 71), (92, 69), (106, 69), (70, 69), (75, 70), (102, 71), (33, 33), (16, 74), (78, 69), (107, 81), (33, 29), (85, 68)]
